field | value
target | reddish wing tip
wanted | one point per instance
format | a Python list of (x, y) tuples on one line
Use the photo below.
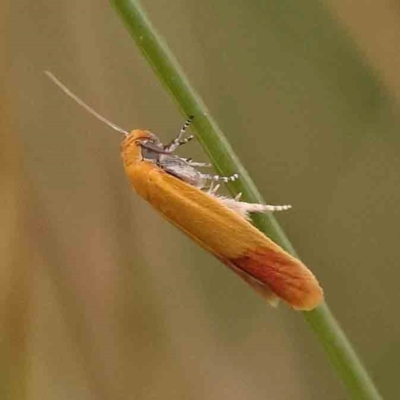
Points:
[(284, 275)]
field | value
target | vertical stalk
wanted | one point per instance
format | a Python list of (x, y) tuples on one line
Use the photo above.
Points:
[(321, 320)]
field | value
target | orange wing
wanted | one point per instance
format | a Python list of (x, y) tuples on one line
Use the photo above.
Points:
[(227, 235)]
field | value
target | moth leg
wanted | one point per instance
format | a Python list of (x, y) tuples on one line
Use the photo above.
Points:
[(198, 164), (192, 163), (213, 189), (269, 207), (217, 178), (178, 141), (238, 196)]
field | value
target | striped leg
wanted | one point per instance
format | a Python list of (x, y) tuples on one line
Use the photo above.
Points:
[(178, 141), (217, 178)]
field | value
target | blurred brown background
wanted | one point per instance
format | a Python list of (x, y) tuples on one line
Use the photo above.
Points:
[(102, 299)]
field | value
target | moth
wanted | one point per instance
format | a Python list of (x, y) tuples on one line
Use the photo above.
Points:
[(188, 198)]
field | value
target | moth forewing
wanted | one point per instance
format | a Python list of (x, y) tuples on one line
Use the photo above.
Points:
[(222, 231)]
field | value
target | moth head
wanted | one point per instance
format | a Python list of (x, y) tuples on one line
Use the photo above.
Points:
[(139, 136), (139, 145)]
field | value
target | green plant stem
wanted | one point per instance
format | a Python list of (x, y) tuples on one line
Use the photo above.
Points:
[(322, 322)]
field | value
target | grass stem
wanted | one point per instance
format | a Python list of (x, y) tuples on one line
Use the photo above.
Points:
[(321, 320)]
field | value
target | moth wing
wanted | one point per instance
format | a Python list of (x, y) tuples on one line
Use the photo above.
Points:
[(258, 260)]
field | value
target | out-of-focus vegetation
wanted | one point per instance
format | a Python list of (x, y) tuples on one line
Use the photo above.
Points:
[(102, 299)]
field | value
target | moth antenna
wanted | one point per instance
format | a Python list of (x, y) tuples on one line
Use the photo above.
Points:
[(89, 109)]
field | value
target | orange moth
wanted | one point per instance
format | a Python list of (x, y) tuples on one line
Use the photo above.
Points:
[(187, 198)]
